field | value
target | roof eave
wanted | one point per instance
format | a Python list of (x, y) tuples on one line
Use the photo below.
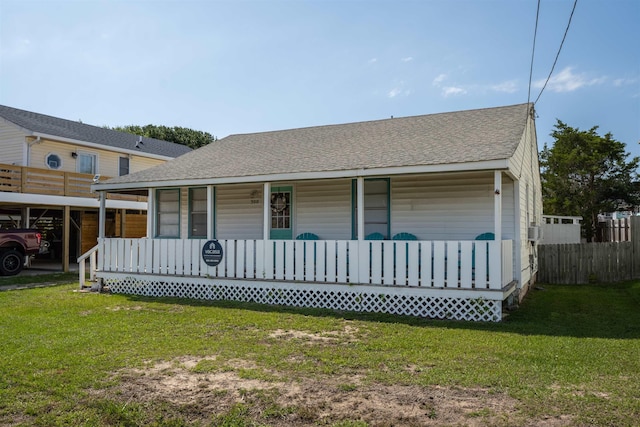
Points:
[(500, 164)]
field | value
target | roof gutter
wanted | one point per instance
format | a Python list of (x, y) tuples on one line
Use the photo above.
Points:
[(100, 146)]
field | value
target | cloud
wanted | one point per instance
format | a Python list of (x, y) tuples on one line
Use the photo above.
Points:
[(394, 92), (372, 61), (447, 90), (399, 90), (624, 82), (452, 91), (407, 59), (439, 79), (509, 86), (568, 81)]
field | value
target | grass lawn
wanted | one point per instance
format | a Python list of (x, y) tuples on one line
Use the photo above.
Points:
[(569, 356)]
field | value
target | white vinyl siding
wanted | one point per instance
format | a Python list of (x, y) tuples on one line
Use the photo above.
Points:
[(138, 163), (323, 208), (237, 216), (12, 145), (449, 207), (526, 167)]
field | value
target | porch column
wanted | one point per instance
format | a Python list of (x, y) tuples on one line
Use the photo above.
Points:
[(66, 225), (495, 263), (151, 209), (497, 205), (266, 210), (26, 213), (123, 223), (360, 205), (210, 212), (102, 214)]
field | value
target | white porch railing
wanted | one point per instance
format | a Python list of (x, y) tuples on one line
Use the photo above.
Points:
[(435, 264), (92, 255)]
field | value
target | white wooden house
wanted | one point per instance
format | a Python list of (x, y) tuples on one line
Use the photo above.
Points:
[(433, 215), (47, 166)]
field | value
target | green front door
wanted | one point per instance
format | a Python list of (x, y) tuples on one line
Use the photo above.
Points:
[(281, 219)]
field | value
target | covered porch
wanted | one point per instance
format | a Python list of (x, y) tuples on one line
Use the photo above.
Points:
[(456, 279)]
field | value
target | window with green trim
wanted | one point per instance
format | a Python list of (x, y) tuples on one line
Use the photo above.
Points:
[(198, 213), (168, 213)]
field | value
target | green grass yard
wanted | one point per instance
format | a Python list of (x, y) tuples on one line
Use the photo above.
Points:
[(569, 356)]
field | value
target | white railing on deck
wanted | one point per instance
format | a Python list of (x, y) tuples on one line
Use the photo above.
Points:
[(438, 264)]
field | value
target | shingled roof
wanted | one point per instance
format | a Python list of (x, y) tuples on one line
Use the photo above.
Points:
[(55, 127), (434, 139)]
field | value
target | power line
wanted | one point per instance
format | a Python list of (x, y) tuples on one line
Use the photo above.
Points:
[(530, 110), (533, 51), (557, 54)]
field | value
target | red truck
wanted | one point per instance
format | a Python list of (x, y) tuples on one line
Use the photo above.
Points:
[(15, 246)]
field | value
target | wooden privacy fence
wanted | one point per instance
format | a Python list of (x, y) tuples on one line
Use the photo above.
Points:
[(578, 263), (614, 230), (581, 263)]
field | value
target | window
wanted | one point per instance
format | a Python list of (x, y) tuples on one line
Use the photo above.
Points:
[(168, 213), (281, 209), (123, 166), (53, 161), (86, 163), (198, 213)]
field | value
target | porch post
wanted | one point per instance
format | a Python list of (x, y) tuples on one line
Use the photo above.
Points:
[(497, 205), (496, 264), (151, 208), (360, 205), (210, 212), (102, 214), (123, 222), (66, 224), (26, 213), (266, 210)]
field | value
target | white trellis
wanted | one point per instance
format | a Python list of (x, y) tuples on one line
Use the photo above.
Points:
[(390, 300)]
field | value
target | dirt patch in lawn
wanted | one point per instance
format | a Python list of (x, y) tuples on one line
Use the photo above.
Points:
[(200, 391)]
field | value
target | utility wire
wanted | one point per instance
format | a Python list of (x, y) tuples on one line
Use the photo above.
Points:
[(558, 54), (533, 51), (530, 110)]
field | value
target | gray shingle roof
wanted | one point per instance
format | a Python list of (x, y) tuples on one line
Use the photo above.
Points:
[(434, 139), (54, 126)]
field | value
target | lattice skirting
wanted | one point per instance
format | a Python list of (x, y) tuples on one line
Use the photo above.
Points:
[(403, 301)]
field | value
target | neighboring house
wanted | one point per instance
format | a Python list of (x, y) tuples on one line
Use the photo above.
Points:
[(433, 215), (47, 166)]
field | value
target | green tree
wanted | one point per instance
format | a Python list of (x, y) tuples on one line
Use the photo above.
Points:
[(179, 135), (584, 174)]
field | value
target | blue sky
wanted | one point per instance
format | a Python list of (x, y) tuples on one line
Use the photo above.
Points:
[(230, 67)]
